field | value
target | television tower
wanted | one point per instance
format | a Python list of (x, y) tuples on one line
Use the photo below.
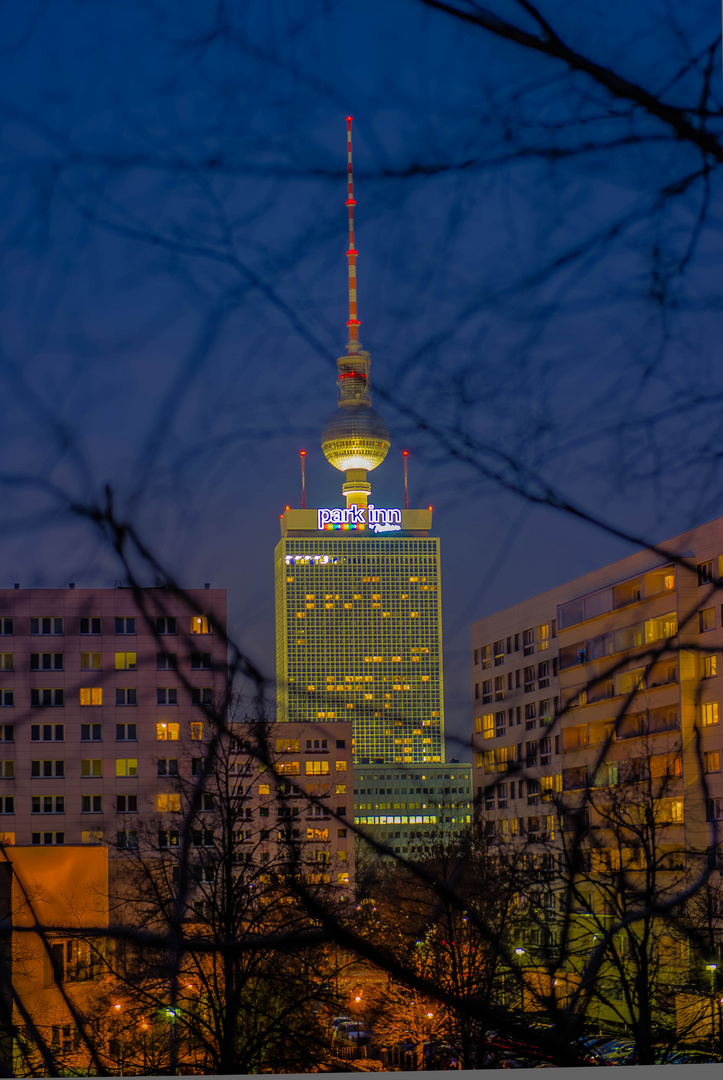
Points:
[(355, 438)]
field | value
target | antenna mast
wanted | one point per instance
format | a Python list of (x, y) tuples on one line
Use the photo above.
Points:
[(353, 323)]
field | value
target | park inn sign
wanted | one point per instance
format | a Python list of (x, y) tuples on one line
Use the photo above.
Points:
[(357, 517)]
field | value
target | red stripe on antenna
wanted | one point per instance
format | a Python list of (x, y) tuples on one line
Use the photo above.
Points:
[(351, 254)]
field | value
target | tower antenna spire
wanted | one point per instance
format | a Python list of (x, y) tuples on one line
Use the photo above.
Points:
[(353, 323)]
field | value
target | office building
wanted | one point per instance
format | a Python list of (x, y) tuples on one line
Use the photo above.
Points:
[(358, 606), (413, 809)]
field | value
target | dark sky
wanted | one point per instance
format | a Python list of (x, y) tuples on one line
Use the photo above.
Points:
[(539, 278)]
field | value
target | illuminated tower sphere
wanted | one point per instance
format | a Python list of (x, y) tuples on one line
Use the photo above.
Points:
[(355, 438)]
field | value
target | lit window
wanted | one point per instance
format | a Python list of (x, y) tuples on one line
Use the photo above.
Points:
[(91, 695), (706, 620), (197, 732), (316, 768), (341, 766), (126, 661), (168, 732), (168, 802), (126, 767), (200, 625), (90, 661), (710, 713), (710, 666), (712, 761), (91, 767)]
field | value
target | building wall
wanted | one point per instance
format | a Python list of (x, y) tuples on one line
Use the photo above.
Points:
[(65, 890), (358, 622)]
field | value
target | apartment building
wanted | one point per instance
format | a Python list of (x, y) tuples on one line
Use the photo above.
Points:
[(102, 697), (611, 674)]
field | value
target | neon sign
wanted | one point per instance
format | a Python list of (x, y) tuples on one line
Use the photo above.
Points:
[(355, 517)]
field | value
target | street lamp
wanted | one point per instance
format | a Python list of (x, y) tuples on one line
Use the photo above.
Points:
[(712, 968), (520, 953)]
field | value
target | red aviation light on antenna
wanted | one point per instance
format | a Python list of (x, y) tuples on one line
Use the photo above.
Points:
[(303, 453), (405, 453)]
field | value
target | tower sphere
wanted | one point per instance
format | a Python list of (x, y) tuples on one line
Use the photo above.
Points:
[(355, 437)]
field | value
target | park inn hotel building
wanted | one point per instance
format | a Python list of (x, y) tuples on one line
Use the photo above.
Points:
[(630, 653), (359, 622)]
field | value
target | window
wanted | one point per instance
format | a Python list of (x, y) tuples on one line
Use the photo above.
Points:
[(170, 732), (7, 698), (543, 674), (91, 695), (48, 838), (196, 732), (91, 767), (168, 838), (499, 653), (316, 768), (46, 626), (167, 767), (528, 642), (47, 732), (45, 661), (7, 626), (712, 809), (487, 691), (501, 758), (126, 804), (7, 806), (706, 619), (203, 695), (7, 733), (200, 660), (529, 679), (126, 695), (545, 751), (126, 732), (126, 766), (91, 732), (127, 839), (712, 761), (47, 804), (488, 726), (167, 661), (90, 661), (543, 637), (202, 837), (200, 624), (126, 661), (500, 723), (545, 711), (45, 768), (499, 688), (207, 802), (710, 713), (168, 802), (166, 624), (125, 625), (710, 666), (90, 626), (665, 626), (196, 766), (166, 695), (705, 573), (340, 789), (46, 697), (486, 656), (7, 661)]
